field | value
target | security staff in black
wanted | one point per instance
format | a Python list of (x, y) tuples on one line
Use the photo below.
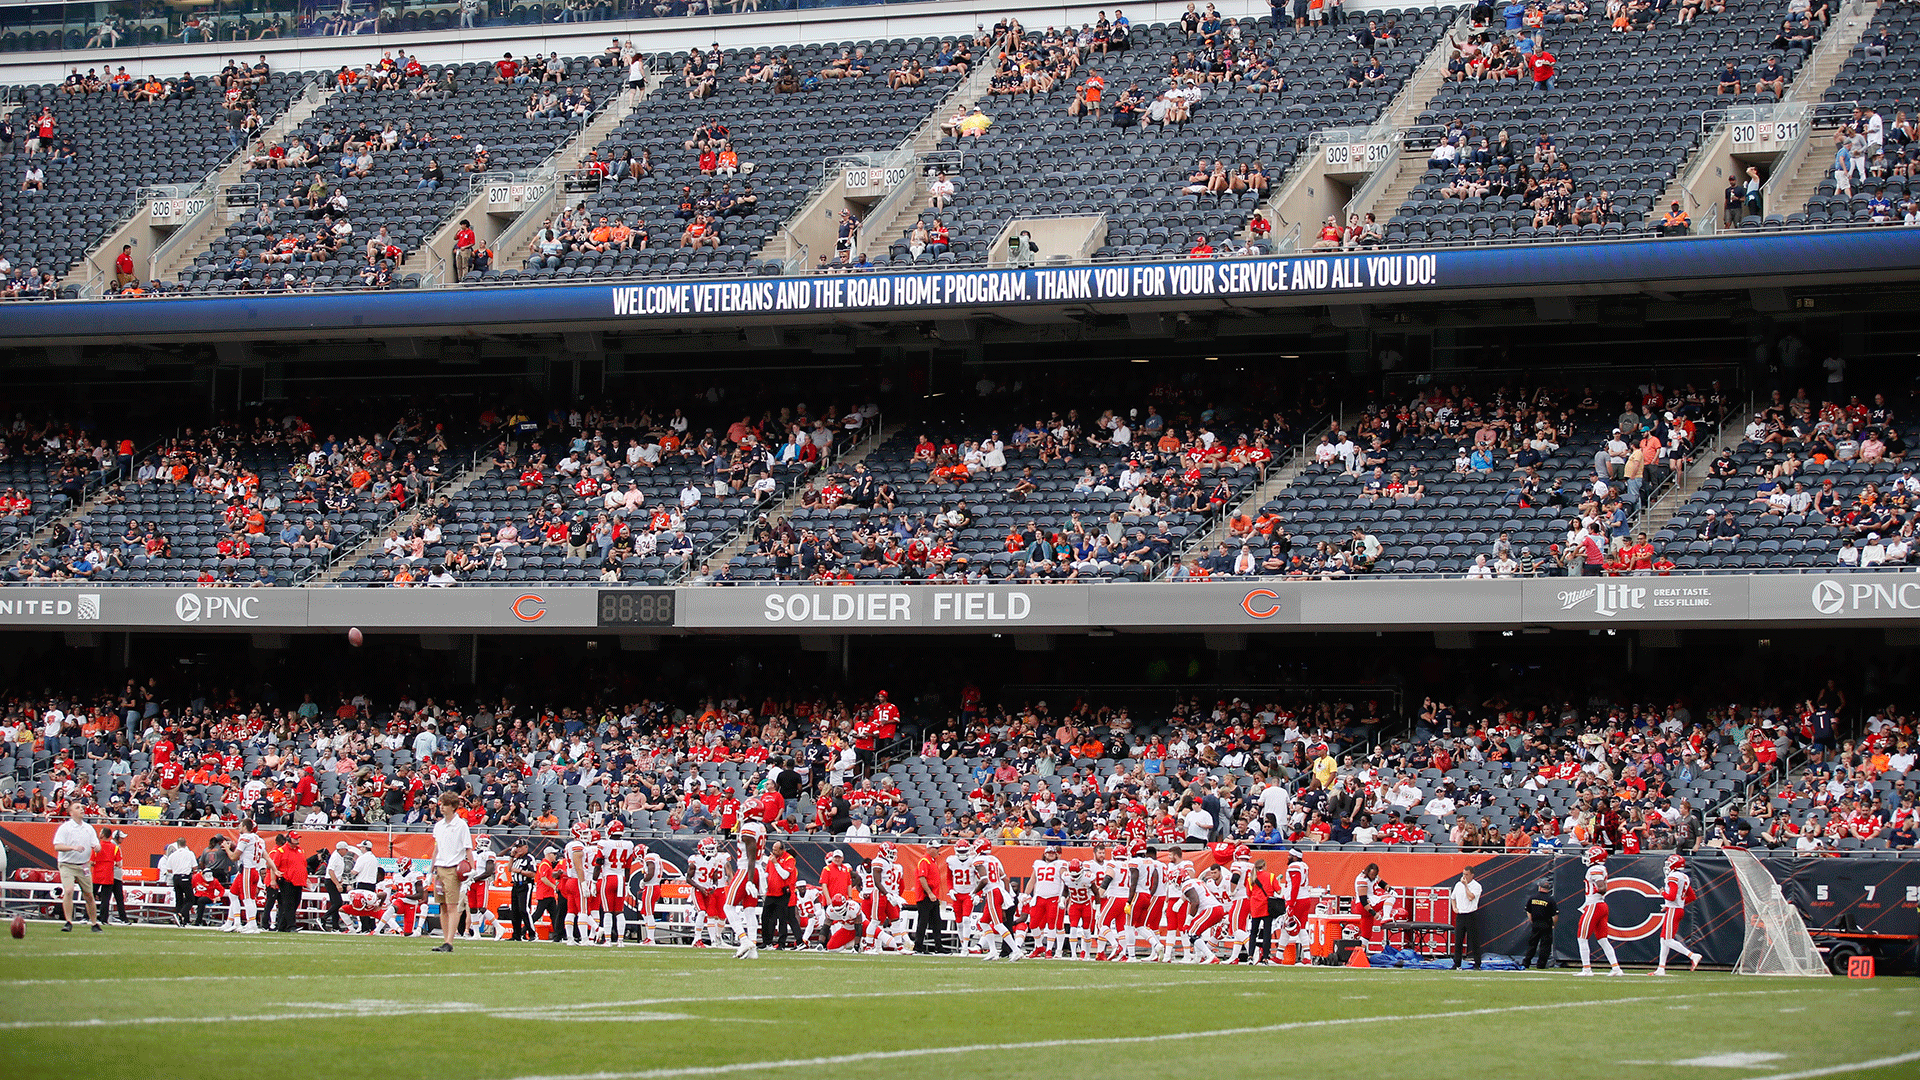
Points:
[(522, 866), (1541, 911)]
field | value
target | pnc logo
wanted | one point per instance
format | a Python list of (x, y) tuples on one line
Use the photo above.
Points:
[(187, 608), (529, 607), (1828, 597), (1261, 603), (192, 608)]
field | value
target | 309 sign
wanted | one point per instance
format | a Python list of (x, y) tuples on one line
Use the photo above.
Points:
[(636, 607)]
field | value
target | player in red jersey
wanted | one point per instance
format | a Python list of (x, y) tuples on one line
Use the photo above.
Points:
[(1301, 905), (1044, 915), (1593, 914), (993, 898), (1676, 894), (882, 901), (960, 895), (616, 862), (1078, 885), (653, 872), (366, 904)]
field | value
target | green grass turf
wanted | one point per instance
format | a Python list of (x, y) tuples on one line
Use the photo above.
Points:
[(170, 1003)]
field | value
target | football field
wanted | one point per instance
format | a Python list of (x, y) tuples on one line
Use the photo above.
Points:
[(181, 1003)]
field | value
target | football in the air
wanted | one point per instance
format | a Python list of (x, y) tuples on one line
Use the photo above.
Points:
[(355, 637), (19, 927)]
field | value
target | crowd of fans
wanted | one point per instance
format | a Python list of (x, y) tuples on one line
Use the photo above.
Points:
[(1499, 776)]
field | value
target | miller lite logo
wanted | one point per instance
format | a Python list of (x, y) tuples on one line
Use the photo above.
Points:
[(1608, 599)]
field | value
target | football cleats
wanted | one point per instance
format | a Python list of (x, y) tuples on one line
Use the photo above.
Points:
[(1596, 854)]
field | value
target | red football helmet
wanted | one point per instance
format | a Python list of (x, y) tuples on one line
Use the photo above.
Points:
[(1676, 862), (709, 847), (581, 830), (593, 836), (1596, 854), (615, 829), (983, 845), (1051, 851), (1073, 866), (889, 852), (1242, 852), (1137, 849)]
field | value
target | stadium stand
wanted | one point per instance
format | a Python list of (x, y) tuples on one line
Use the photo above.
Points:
[(1036, 159), (103, 146), (397, 152), (644, 500), (1821, 484), (1500, 484), (46, 469), (1054, 500), (781, 141), (1348, 772), (1589, 157), (1882, 75), (232, 507)]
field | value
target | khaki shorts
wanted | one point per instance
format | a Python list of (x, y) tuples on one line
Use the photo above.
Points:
[(81, 876), (453, 896)]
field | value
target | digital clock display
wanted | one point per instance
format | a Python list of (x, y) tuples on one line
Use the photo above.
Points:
[(636, 607)]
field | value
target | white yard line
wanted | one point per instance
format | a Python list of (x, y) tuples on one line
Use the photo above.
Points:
[(1123, 1040), (296, 978), (1852, 1066)]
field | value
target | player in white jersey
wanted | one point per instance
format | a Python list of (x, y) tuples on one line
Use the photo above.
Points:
[(1206, 898), (742, 907), (652, 874), (616, 862), (1674, 898), (810, 911), (1301, 905), (1593, 914), (1044, 915), (707, 869), (1079, 884), (1143, 916), (1110, 885), (249, 879), (577, 863), (1172, 913), (1234, 882), (882, 901), (960, 896), (993, 898)]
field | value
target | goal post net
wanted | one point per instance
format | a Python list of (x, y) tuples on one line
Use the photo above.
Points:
[(1777, 942)]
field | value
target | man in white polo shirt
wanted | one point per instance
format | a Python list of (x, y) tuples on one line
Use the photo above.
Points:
[(74, 844), (452, 858)]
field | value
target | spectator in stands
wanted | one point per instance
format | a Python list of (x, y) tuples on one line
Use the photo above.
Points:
[(1676, 222), (1732, 80)]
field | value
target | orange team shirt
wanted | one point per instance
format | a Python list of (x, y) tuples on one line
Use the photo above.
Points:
[(1169, 443)]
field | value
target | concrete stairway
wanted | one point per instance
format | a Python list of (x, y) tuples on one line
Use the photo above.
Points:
[(877, 236), (737, 544), (372, 541), (1832, 51), (182, 250), (567, 157), (1655, 517), (1276, 482)]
